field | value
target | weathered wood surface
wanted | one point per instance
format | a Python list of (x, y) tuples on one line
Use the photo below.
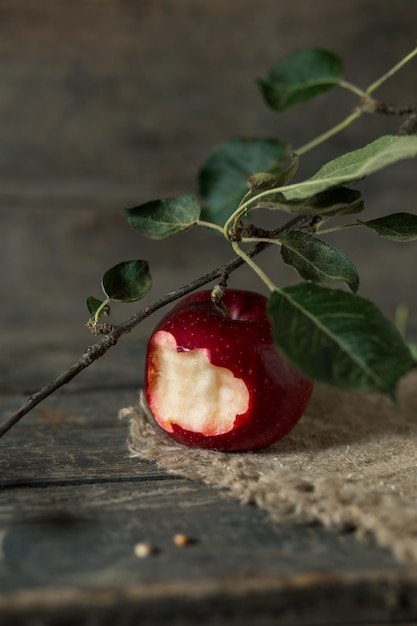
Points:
[(73, 505), (107, 104)]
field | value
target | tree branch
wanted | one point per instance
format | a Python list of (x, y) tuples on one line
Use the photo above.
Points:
[(97, 350), (393, 109), (113, 333)]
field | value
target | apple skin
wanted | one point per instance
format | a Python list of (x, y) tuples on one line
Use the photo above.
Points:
[(270, 392)]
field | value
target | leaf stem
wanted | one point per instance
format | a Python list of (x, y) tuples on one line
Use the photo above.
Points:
[(238, 250), (210, 225), (260, 240), (336, 229), (391, 72), (329, 133), (352, 88), (100, 309)]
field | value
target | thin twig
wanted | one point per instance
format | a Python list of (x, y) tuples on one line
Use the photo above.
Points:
[(300, 221), (393, 109), (409, 126), (97, 350)]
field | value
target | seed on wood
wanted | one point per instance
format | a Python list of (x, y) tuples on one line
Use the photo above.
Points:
[(143, 550), (182, 540)]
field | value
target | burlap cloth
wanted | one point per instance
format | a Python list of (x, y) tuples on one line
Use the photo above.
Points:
[(350, 463)]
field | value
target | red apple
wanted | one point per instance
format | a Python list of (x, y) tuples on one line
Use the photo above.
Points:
[(219, 382)]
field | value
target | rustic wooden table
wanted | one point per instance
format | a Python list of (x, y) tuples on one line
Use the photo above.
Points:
[(73, 506), (102, 109)]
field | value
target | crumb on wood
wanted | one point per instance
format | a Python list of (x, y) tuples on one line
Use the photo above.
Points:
[(144, 550), (182, 540)]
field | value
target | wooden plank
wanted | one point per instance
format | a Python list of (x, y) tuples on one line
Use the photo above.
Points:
[(70, 551), (72, 438), (230, 603), (73, 505)]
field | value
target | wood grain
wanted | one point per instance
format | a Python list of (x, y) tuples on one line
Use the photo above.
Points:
[(70, 548), (73, 505)]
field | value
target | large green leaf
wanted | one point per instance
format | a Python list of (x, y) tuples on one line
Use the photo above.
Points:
[(300, 77), (338, 338), (159, 219), (127, 281), (397, 226), (355, 165), (222, 179), (317, 261)]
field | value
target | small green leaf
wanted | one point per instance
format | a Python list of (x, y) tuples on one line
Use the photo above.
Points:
[(265, 180), (222, 179), (93, 305), (159, 219), (397, 226), (355, 165), (338, 338), (300, 77), (127, 281), (317, 261), (332, 201)]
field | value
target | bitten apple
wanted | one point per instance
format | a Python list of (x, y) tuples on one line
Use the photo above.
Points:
[(218, 381)]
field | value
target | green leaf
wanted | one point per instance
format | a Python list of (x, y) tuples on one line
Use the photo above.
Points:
[(397, 226), (93, 304), (317, 261), (127, 281), (338, 338), (355, 165), (332, 201), (300, 77), (265, 180), (222, 179), (159, 219)]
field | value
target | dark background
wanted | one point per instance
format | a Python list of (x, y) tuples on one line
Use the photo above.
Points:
[(106, 104)]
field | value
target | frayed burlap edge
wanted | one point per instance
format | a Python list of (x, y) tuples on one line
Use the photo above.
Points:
[(351, 462)]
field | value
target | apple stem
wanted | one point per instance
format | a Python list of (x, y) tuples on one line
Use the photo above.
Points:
[(217, 295)]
